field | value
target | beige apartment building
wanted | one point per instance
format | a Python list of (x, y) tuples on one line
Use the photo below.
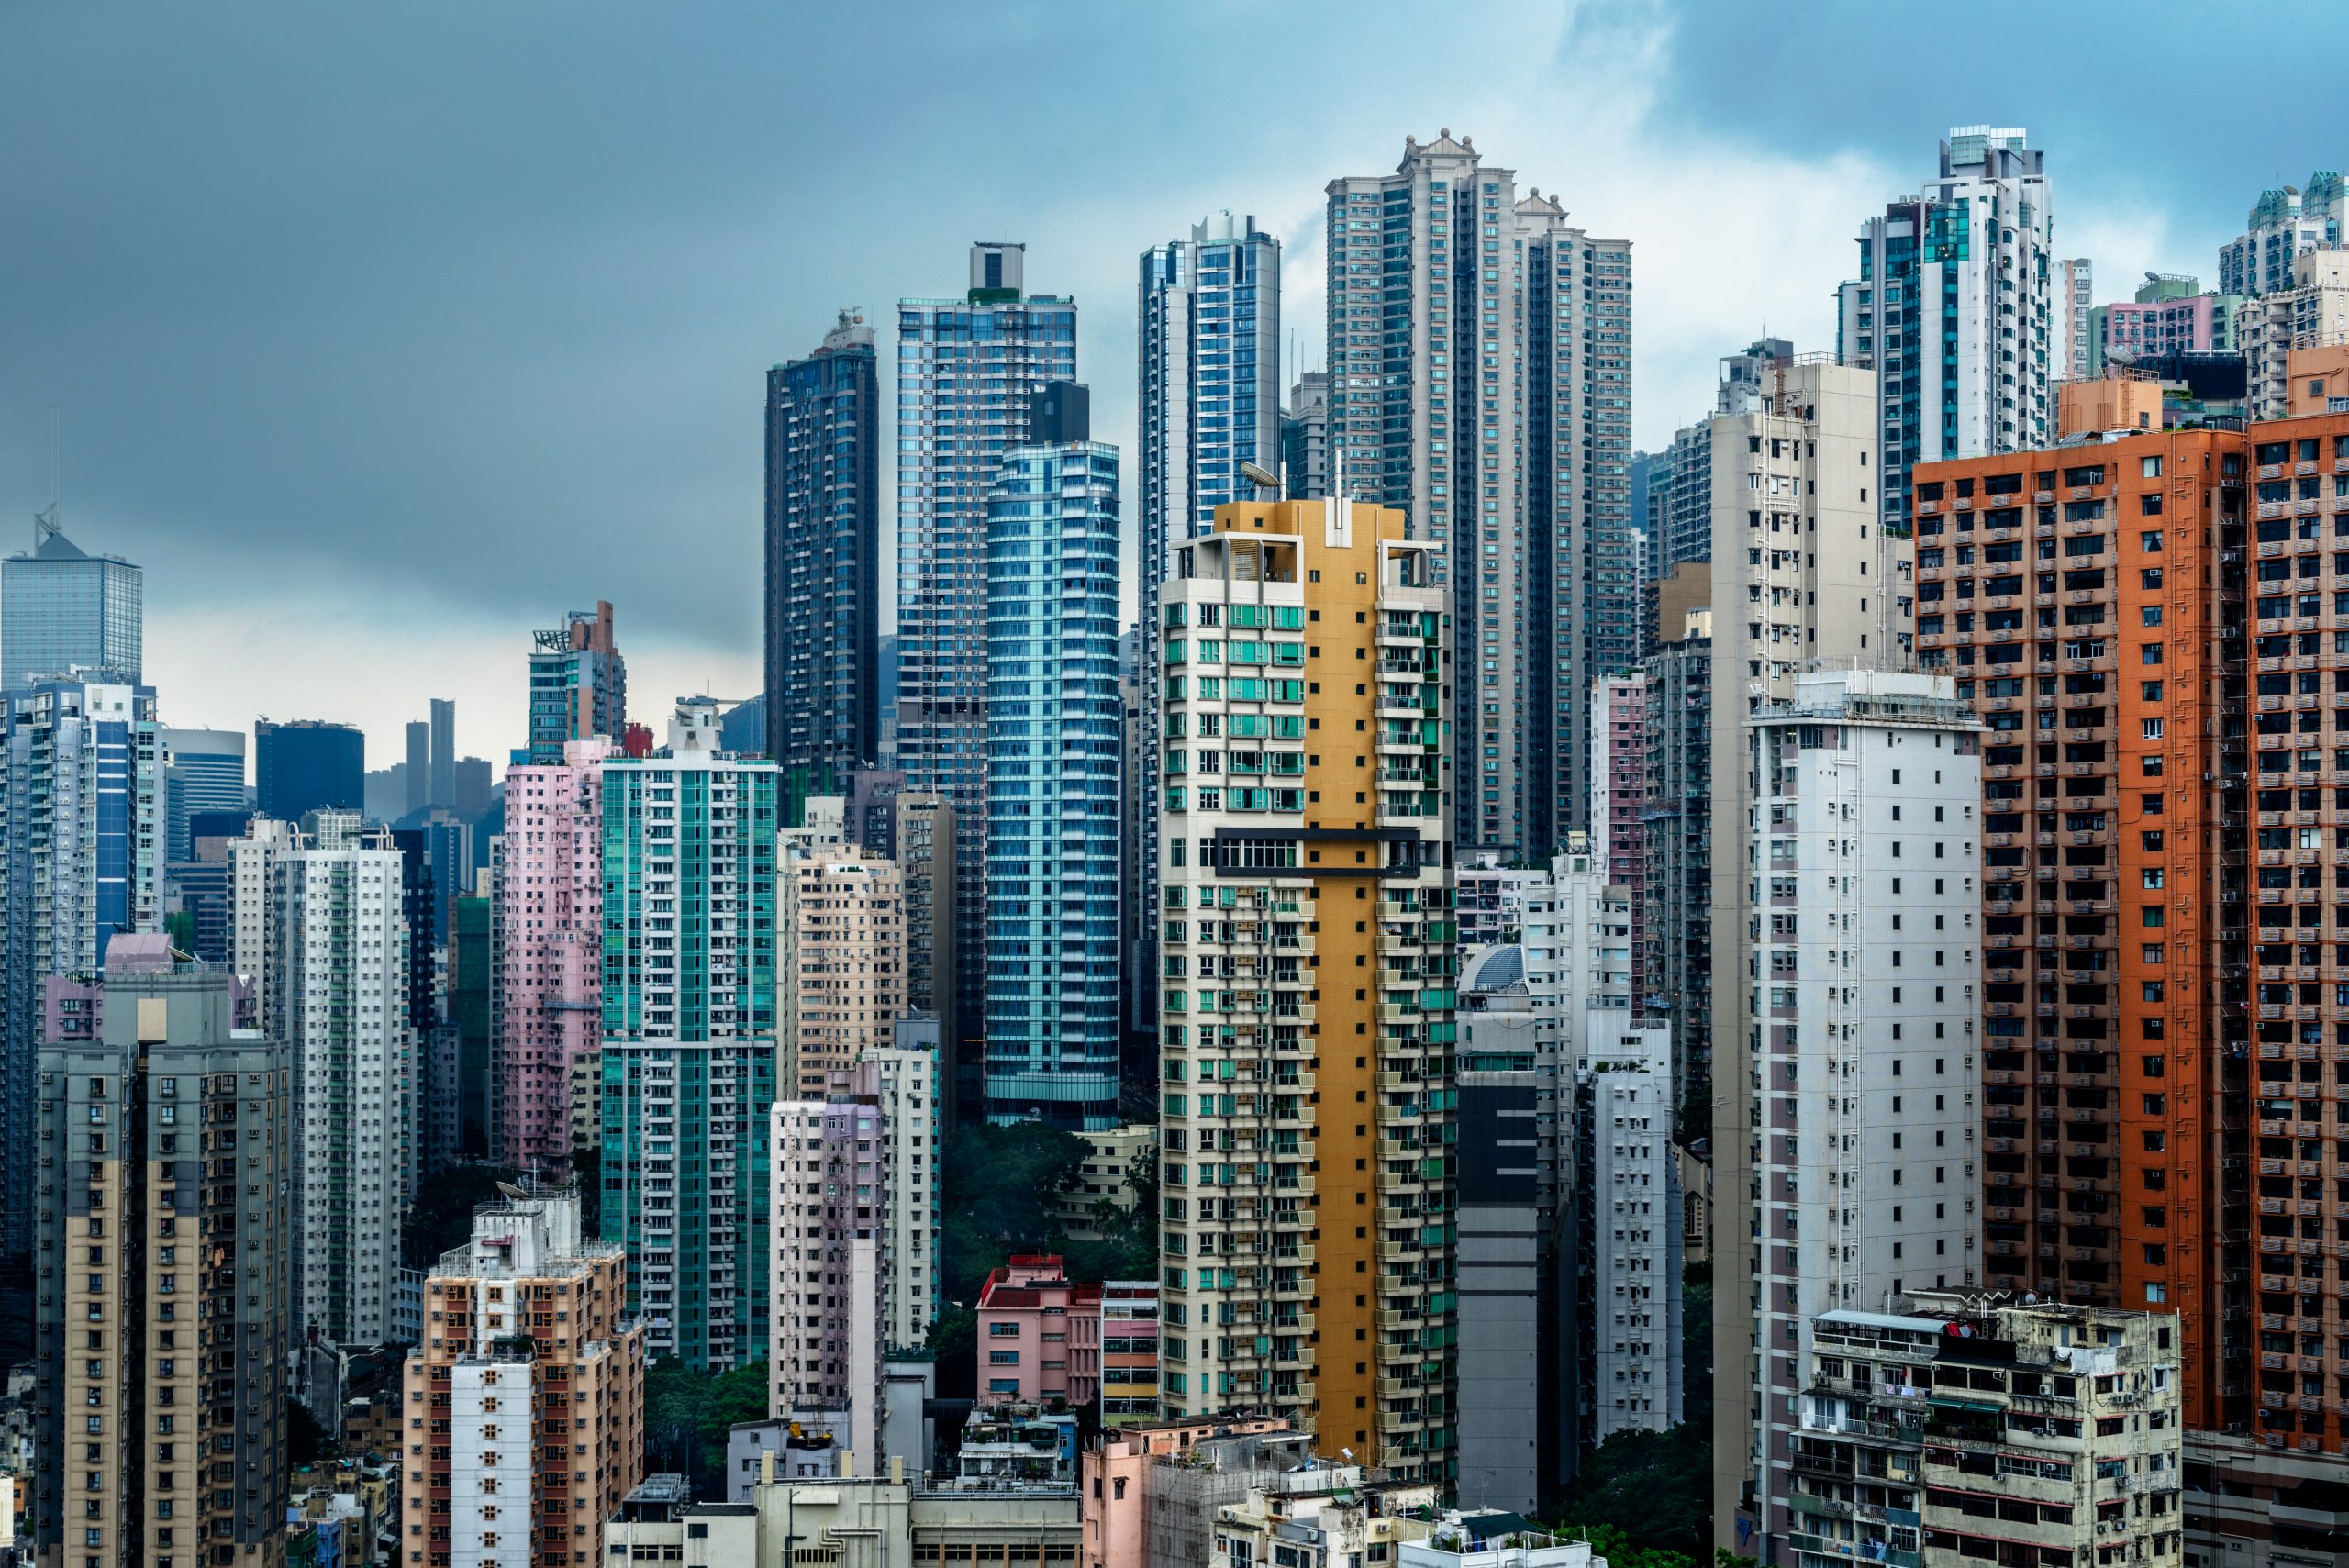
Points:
[(842, 989)]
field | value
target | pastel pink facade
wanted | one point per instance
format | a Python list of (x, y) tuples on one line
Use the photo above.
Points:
[(2162, 325), (1116, 1472), (1025, 1334), (1619, 757), (550, 921)]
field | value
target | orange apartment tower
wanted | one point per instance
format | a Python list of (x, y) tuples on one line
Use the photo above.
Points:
[(2156, 627), (524, 1424)]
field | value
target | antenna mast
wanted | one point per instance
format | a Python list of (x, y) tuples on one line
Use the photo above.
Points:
[(50, 523)]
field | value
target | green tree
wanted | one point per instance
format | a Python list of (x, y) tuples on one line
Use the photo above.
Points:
[(1000, 1185), (687, 1414), (1654, 1489)]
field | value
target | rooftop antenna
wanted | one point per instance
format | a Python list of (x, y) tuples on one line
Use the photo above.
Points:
[(48, 524)]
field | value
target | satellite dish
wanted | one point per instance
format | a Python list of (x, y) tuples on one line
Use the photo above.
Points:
[(510, 1190), (1260, 476)]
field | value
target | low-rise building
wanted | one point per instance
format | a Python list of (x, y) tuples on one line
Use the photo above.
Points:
[(1322, 1516), (1151, 1491), (1106, 1176), (1495, 1540), (848, 1521), (1964, 1429)]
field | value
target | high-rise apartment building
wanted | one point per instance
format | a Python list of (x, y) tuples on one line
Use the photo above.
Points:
[(2311, 311), (253, 928), (162, 1310), (968, 368), (2161, 1066), (854, 1247), (1309, 994), (2285, 221), (1305, 439), (823, 555), (524, 1425), (2075, 299), (1626, 1190), (2166, 316), (68, 614), (1676, 883), (578, 685), (841, 961), (473, 1005), (1619, 772), (1679, 518), (204, 770), (1804, 577), (1480, 382), (688, 1057), (79, 862), (337, 995), (307, 766), (549, 928), (1859, 1163), (925, 860), (1956, 310), (1210, 327), (1053, 745)]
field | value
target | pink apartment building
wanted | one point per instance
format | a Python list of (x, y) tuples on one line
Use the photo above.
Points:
[(1619, 761), (549, 968), (1043, 1336), (1178, 1470)]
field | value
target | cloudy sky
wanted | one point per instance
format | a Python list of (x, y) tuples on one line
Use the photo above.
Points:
[(383, 334)]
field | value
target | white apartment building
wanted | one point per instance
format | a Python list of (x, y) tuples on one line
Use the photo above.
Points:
[(2075, 296), (853, 1255), (2312, 313), (1866, 855), (1955, 308), (1804, 578), (337, 989), (1629, 1192), (251, 923)]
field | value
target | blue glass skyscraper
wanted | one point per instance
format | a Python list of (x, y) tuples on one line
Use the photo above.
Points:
[(79, 856), (823, 652), (1210, 324), (62, 610), (1054, 734), (967, 368)]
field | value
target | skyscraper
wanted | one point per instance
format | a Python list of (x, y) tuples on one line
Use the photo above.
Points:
[(2075, 300), (578, 685), (1677, 867), (308, 764), (1619, 766), (444, 750), (548, 927), (1306, 1013), (1305, 438), (419, 764), (1480, 382), (927, 853), (688, 1059), (337, 998), (967, 370), (63, 611), (78, 864), (1956, 310), (823, 551), (204, 770), (163, 1319), (1054, 723), (1210, 400)]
